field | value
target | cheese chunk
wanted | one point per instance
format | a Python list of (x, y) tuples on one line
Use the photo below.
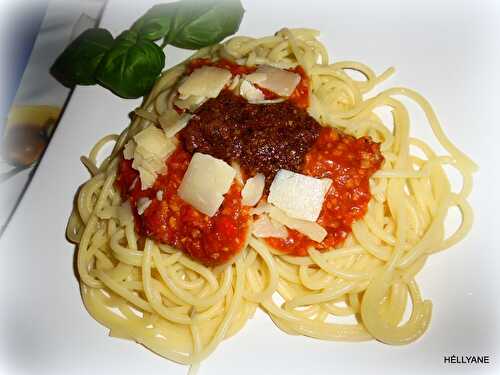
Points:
[(262, 207), (153, 142), (253, 189), (250, 92), (128, 150), (151, 166), (300, 196), (207, 81), (205, 182), (172, 122), (233, 85), (256, 77), (142, 205), (312, 230), (191, 103), (264, 227), (279, 81), (149, 150)]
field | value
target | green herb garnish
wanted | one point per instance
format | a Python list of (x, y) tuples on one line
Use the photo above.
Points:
[(130, 64), (79, 61)]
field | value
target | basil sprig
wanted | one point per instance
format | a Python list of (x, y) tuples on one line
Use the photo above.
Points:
[(192, 24), (130, 64), (79, 61)]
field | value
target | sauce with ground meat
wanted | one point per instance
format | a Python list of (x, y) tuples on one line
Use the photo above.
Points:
[(170, 220), (349, 162), (263, 138)]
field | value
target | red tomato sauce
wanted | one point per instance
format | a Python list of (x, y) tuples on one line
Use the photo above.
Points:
[(300, 96), (349, 162), (209, 240)]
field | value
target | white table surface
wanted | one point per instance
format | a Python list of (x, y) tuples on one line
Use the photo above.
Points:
[(447, 50)]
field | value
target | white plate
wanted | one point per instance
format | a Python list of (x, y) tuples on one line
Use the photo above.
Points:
[(447, 50)]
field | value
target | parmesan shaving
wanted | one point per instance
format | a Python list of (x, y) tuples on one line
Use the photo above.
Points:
[(153, 141), (300, 196), (312, 230), (147, 178), (262, 207), (279, 81), (149, 150), (250, 92), (142, 205), (191, 103), (159, 195), (263, 227), (128, 150), (253, 189), (256, 77), (234, 82), (205, 182), (207, 81), (172, 122)]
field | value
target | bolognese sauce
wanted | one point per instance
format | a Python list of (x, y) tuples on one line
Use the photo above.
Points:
[(261, 138), (170, 220), (349, 162)]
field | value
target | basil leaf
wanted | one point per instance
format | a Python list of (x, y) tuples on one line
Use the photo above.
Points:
[(131, 66), (156, 23), (78, 62), (199, 24)]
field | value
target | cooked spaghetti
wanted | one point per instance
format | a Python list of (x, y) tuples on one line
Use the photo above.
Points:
[(152, 287)]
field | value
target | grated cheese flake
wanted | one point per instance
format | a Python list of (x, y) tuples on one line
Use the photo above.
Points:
[(264, 227), (149, 150), (207, 81), (253, 189), (205, 182), (172, 122), (312, 230), (142, 205), (279, 81), (300, 196)]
